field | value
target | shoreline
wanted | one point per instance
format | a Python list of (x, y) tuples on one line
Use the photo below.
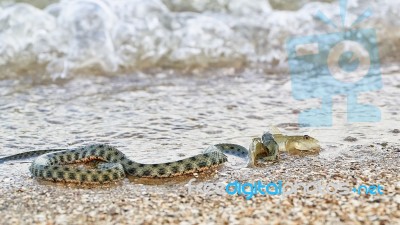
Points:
[(177, 118)]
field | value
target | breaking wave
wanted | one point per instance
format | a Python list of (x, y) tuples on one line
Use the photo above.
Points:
[(111, 37)]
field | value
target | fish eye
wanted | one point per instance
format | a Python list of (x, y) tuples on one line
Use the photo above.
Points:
[(306, 137)]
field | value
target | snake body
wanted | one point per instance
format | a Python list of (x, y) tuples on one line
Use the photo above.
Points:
[(54, 164)]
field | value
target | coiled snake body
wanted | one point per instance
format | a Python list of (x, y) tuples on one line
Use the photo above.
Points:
[(53, 164)]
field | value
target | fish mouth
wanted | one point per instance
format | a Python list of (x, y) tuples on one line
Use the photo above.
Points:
[(315, 149), (309, 150)]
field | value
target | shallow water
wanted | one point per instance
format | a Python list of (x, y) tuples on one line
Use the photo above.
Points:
[(166, 116)]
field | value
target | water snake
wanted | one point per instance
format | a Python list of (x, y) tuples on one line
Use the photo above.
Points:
[(55, 164)]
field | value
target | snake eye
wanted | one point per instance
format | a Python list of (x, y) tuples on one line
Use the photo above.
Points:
[(306, 137)]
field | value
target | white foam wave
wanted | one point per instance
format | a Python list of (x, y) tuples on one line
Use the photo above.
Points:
[(79, 36)]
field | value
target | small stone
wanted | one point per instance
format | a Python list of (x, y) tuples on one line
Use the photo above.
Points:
[(350, 139), (40, 218), (396, 131), (92, 214), (61, 219), (384, 144), (113, 210), (397, 199)]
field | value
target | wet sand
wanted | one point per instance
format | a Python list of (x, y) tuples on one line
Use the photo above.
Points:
[(131, 202), (353, 153)]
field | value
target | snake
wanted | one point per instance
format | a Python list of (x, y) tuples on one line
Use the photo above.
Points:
[(56, 164)]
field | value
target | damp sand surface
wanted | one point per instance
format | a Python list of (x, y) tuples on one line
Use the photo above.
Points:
[(164, 117)]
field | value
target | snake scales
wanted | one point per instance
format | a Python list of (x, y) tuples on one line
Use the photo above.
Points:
[(53, 164)]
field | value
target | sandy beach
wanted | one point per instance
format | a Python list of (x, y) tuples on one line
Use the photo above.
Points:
[(162, 80), (131, 202)]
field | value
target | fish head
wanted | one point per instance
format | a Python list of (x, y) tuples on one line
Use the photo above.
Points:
[(305, 143)]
